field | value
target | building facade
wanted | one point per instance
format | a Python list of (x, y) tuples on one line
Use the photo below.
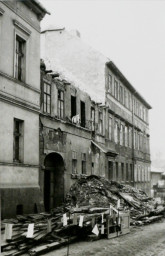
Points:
[(19, 105), (119, 146), (81, 137)]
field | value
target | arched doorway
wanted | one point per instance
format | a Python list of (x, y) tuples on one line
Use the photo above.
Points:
[(53, 181)]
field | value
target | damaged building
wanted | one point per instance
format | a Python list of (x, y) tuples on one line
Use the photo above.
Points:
[(19, 105), (113, 139), (81, 137)]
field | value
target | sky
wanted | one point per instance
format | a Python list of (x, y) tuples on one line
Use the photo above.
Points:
[(130, 33)]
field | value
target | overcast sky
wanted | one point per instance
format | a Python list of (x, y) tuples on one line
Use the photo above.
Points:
[(132, 34)]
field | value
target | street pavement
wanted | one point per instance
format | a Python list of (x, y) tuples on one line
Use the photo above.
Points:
[(146, 240)]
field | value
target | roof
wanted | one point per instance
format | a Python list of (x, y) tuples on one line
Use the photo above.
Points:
[(156, 170), (115, 69), (52, 28), (104, 149), (37, 7)]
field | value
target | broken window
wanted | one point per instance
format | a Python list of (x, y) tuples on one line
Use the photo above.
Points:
[(18, 140), (83, 162), (20, 59), (60, 104), (47, 98), (73, 106), (92, 119), (74, 162), (82, 106)]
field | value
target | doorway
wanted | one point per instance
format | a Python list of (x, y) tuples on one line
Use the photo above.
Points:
[(53, 181)]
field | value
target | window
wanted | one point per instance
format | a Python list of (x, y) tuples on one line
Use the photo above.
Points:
[(122, 135), (92, 118), (130, 137), (121, 94), (47, 98), (131, 172), (126, 98), (135, 139), (73, 106), (93, 167), (60, 104), (116, 132), (74, 162), (83, 161), (122, 171), (110, 83), (117, 171), (126, 136), (100, 122), (110, 170), (116, 89), (82, 106), (18, 140), (110, 128), (20, 58), (127, 173)]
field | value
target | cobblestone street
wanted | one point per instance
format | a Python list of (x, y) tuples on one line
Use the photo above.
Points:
[(142, 241)]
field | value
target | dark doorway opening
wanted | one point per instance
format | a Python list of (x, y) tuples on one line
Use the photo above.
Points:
[(53, 181), (82, 105), (73, 106)]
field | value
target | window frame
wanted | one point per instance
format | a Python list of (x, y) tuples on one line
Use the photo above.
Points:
[(60, 102), (46, 95), (18, 134)]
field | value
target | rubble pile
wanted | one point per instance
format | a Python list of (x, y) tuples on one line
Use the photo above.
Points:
[(87, 206), (96, 191)]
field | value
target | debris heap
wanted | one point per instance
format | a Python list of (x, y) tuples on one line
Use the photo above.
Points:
[(96, 191), (89, 199)]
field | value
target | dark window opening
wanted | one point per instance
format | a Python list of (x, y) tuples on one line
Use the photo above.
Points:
[(60, 104), (18, 140), (110, 170), (20, 59), (127, 173), (117, 172), (122, 171), (19, 209), (82, 114), (73, 106), (131, 170), (83, 157)]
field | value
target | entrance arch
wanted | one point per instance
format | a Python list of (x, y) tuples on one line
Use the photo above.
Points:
[(53, 181)]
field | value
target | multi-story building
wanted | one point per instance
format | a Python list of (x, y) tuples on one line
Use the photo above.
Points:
[(119, 114), (19, 105)]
